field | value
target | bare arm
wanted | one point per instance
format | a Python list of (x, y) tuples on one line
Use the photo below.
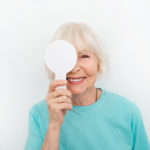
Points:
[(51, 141), (58, 102)]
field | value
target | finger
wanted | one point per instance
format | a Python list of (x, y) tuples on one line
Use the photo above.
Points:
[(62, 99), (61, 92), (64, 106), (64, 112), (56, 83)]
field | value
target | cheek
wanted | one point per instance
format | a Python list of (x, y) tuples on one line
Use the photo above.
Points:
[(91, 69)]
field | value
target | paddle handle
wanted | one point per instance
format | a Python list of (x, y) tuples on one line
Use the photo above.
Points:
[(61, 87), (61, 77)]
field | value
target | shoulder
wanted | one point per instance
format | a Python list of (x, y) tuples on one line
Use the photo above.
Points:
[(39, 107), (121, 103)]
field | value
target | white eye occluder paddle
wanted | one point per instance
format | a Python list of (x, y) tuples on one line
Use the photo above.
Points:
[(60, 57)]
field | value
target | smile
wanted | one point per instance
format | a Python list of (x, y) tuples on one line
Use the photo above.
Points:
[(75, 81)]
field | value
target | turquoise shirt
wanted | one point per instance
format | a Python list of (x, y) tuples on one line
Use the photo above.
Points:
[(111, 123)]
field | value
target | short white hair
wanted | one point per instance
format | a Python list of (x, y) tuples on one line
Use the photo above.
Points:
[(82, 37)]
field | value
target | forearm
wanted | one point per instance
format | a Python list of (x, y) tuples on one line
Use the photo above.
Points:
[(51, 141)]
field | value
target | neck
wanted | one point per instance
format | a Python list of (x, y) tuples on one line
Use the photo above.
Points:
[(86, 98)]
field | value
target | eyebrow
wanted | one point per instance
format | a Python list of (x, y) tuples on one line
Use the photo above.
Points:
[(83, 52)]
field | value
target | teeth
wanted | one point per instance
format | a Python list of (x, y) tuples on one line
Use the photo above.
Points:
[(75, 80)]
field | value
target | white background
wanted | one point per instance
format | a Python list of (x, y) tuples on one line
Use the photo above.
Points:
[(25, 30)]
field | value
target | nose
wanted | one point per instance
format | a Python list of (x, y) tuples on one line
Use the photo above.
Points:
[(76, 68)]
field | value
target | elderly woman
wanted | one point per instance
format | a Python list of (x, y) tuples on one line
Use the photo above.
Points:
[(97, 119)]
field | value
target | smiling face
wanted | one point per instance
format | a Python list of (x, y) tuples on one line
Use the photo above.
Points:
[(83, 76)]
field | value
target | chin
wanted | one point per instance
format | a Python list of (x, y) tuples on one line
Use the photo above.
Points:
[(76, 91)]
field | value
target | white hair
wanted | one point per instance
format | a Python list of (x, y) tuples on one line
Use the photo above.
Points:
[(82, 37)]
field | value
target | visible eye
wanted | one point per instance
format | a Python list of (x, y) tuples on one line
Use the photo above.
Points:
[(84, 56)]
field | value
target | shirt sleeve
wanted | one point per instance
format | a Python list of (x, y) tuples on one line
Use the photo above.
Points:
[(34, 139), (140, 138)]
